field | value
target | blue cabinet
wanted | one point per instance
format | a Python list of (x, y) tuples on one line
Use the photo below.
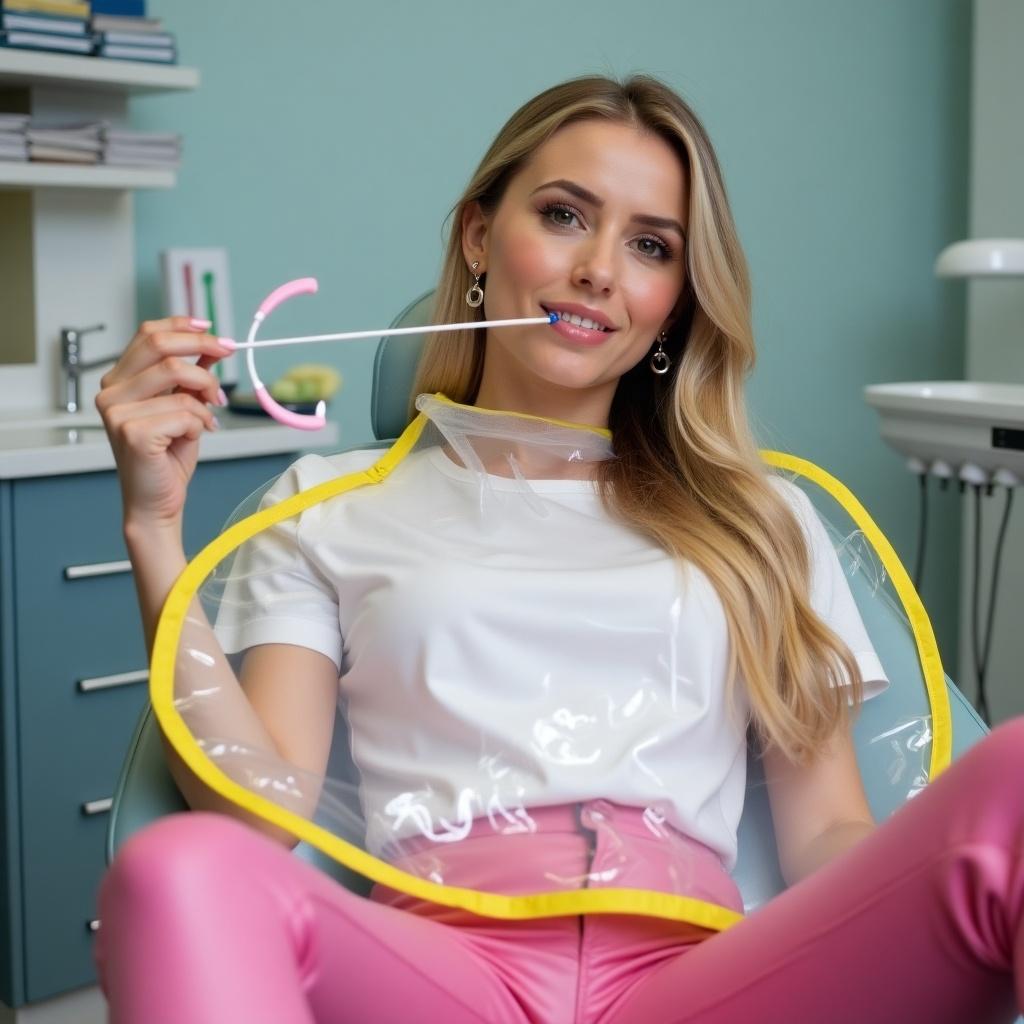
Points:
[(73, 673)]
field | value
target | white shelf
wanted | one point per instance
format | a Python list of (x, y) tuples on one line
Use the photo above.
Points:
[(16, 175), (31, 68), (55, 175)]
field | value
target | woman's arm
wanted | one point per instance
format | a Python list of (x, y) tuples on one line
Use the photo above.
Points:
[(154, 405), (284, 704), (818, 811)]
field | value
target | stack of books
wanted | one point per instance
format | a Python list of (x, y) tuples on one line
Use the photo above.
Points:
[(84, 27), (58, 25), (123, 148), (126, 37), (86, 142), (79, 143), (13, 143)]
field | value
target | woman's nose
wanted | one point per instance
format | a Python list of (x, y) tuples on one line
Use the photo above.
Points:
[(596, 264)]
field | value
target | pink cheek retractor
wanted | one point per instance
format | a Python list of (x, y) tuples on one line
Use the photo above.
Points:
[(301, 421), (308, 286)]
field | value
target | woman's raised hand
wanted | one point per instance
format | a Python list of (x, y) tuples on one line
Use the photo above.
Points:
[(154, 403)]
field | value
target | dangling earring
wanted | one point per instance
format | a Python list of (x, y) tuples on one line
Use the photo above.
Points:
[(660, 361), (475, 295)]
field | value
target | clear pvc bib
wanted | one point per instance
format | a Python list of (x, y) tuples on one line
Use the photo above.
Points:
[(531, 714)]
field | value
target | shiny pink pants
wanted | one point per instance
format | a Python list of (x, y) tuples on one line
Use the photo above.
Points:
[(205, 920)]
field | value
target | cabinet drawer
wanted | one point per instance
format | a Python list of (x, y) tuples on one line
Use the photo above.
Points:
[(66, 520), (68, 630), (61, 880), (73, 754), (74, 522), (71, 759)]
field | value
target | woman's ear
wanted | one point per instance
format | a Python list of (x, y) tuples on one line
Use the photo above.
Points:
[(474, 234)]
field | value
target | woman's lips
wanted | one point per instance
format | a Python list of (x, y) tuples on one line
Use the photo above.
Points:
[(580, 335)]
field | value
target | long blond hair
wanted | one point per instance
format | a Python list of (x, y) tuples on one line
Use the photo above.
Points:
[(687, 471)]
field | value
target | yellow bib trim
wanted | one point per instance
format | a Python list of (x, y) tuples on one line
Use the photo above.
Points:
[(920, 624)]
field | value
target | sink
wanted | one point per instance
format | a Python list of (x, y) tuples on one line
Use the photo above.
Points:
[(958, 398), (954, 422), (38, 428), (36, 419)]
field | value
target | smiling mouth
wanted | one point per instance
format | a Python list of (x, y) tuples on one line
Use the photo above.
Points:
[(578, 321)]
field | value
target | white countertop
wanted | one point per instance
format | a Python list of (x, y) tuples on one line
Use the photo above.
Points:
[(43, 443)]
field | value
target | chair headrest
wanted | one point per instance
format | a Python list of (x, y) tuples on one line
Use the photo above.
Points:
[(394, 369)]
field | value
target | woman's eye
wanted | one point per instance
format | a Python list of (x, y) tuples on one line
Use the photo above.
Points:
[(666, 251), (557, 208)]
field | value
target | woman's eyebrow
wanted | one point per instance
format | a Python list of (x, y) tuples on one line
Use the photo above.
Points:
[(587, 196)]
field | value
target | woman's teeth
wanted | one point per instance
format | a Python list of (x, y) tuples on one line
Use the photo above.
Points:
[(580, 321)]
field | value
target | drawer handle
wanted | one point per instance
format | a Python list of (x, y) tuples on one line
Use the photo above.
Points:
[(97, 806), (78, 572), (93, 925), (106, 682)]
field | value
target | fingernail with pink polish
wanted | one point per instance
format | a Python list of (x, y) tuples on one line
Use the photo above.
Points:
[(228, 343), (216, 423), (222, 397), (200, 325)]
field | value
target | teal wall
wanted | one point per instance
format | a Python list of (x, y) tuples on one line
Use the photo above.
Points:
[(331, 140)]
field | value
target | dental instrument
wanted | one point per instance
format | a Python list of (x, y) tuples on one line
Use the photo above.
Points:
[(308, 285)]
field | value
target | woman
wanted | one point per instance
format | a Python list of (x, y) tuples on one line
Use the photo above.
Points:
[(603, 200)]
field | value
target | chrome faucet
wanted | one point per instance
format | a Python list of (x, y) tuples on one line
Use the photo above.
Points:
[(74, 367)]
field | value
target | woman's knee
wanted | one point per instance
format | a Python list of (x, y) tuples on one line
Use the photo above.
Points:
[(994, 766), (1004, 745), (178, 850)]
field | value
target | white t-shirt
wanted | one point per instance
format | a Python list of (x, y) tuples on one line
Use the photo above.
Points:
[(496, 663)]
